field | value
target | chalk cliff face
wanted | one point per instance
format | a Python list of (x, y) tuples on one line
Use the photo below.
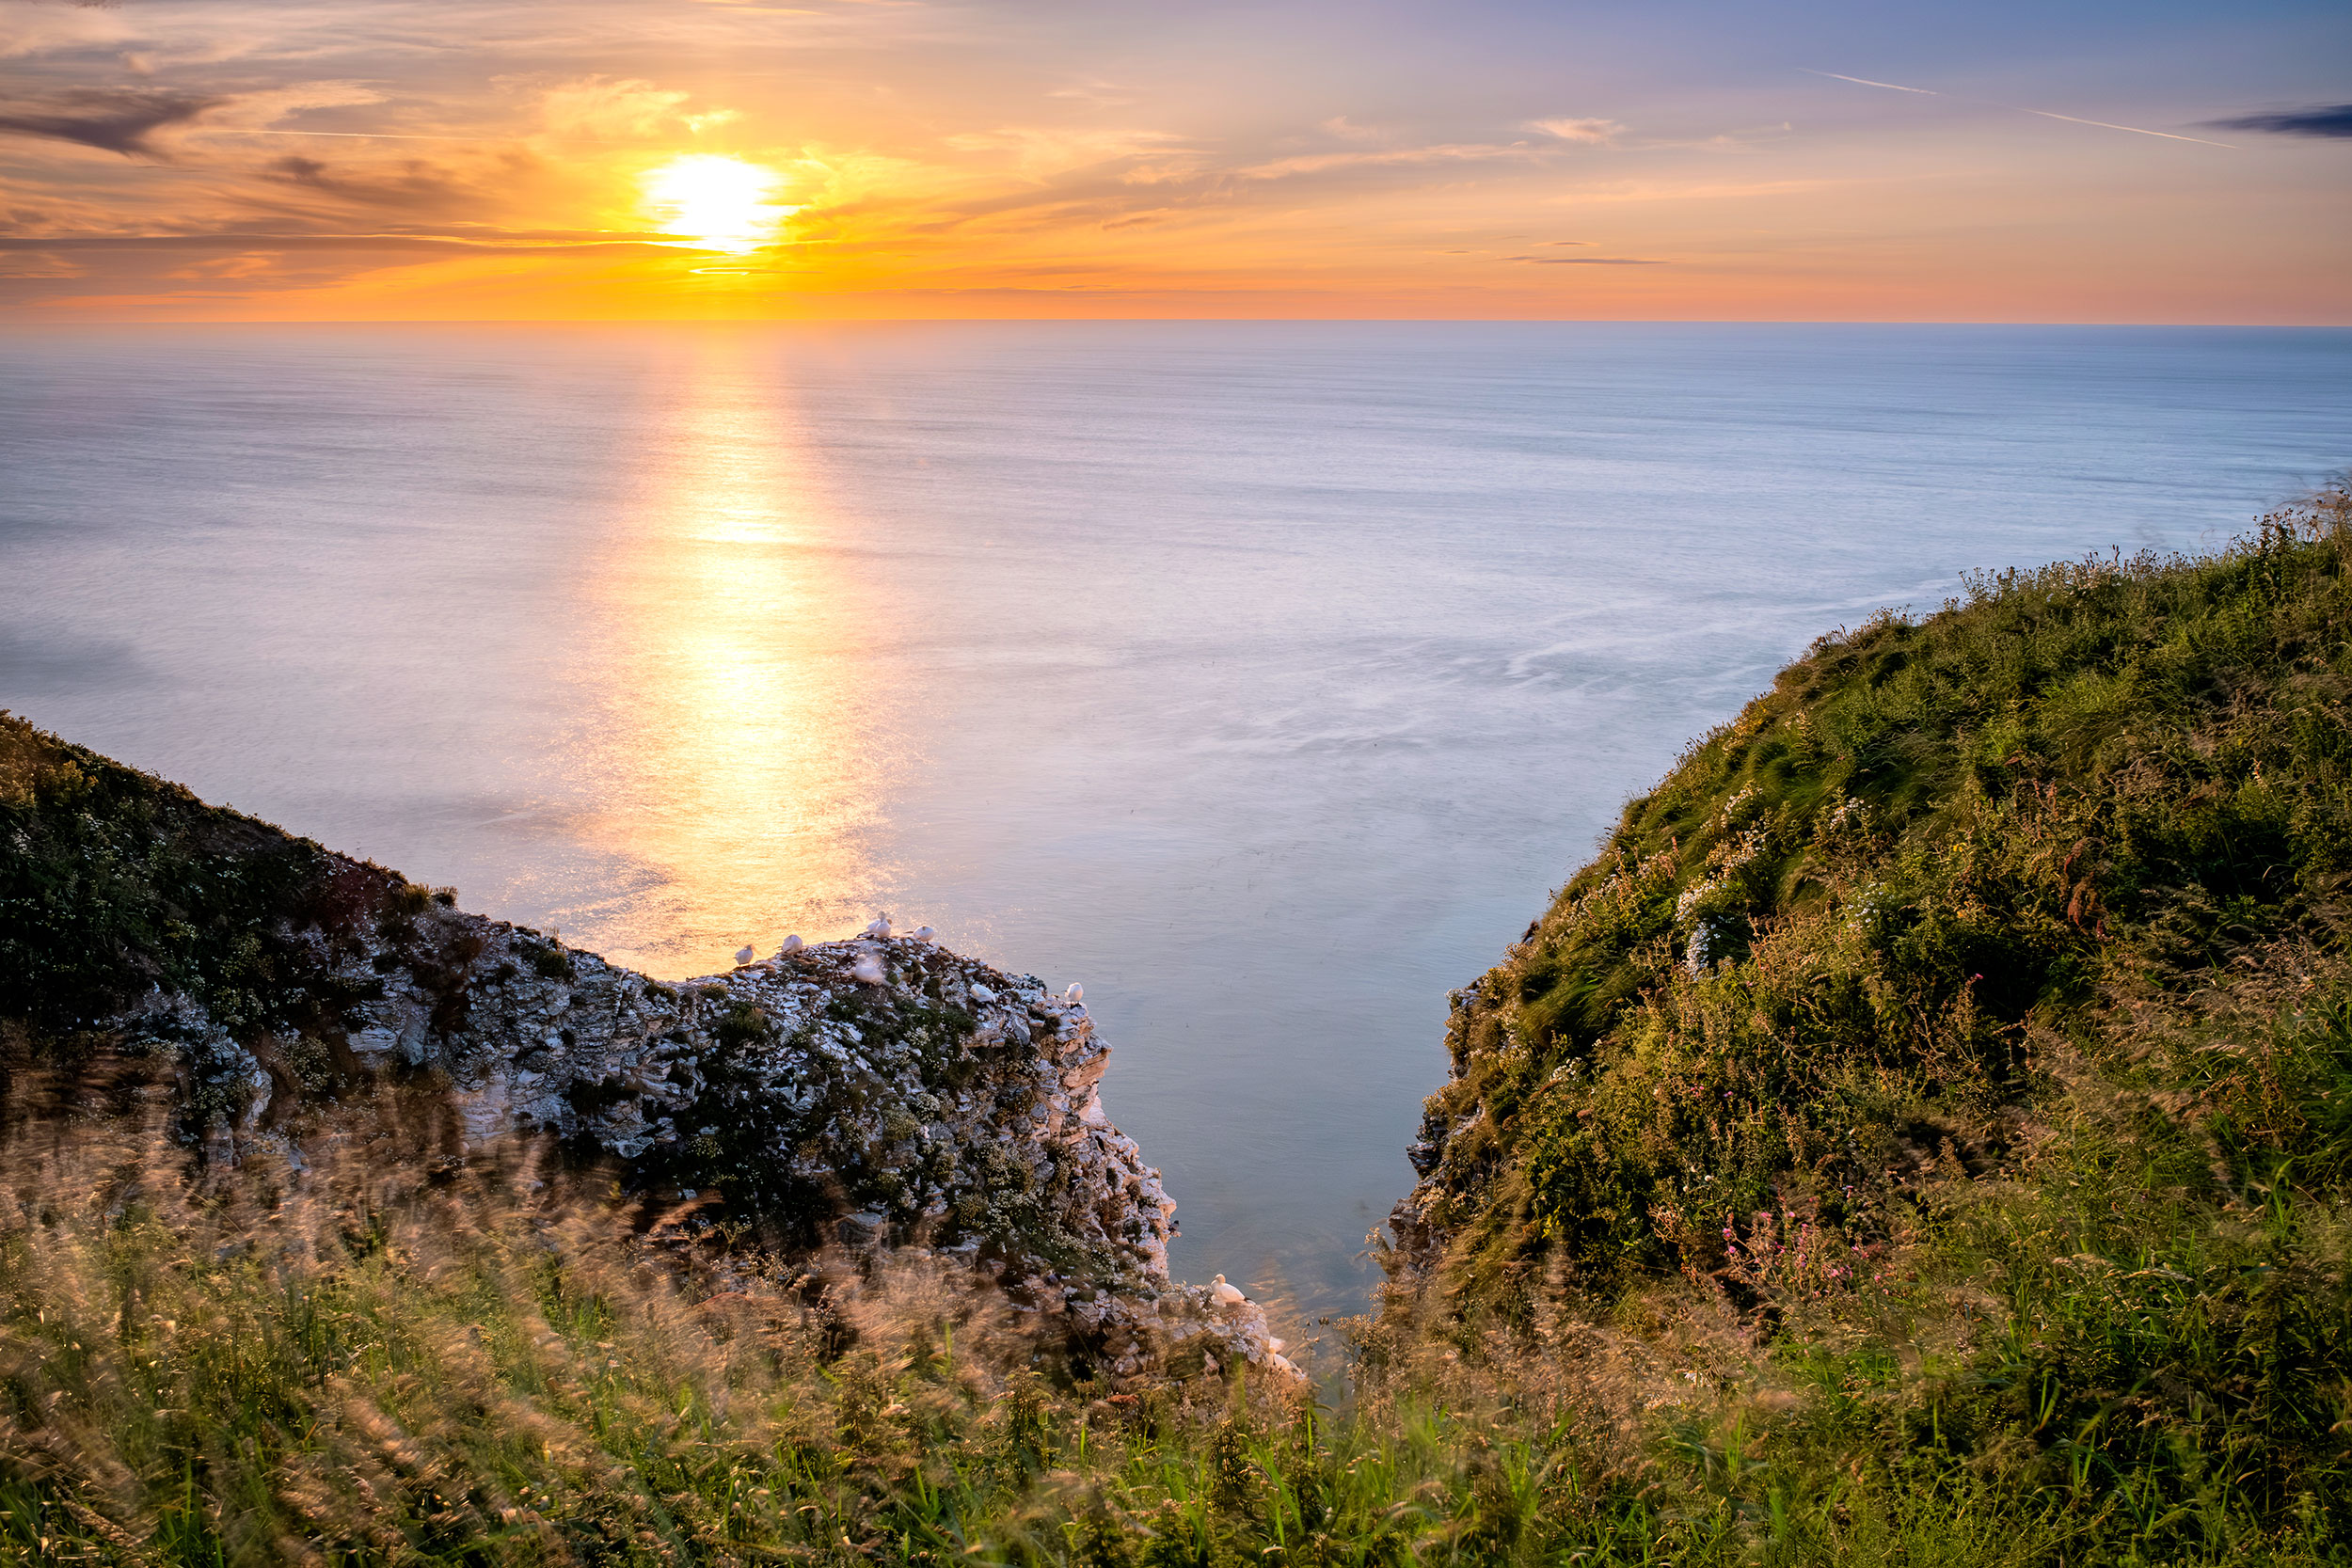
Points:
[(862, 1094)]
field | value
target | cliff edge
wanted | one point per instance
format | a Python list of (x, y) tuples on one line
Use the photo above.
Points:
[(1958, 1043), (867, 1094)]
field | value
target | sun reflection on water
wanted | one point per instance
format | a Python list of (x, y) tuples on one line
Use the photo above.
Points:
[(739, 746)]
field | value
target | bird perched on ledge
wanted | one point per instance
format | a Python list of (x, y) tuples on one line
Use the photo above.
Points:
[(744, 954), (791, 945), (1075, 994), (880, 929), (922, 933)]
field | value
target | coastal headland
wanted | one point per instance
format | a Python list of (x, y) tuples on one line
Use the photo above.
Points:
[(1921, 1133)]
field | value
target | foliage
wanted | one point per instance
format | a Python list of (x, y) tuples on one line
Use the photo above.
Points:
[(119, 892), (1982, 989), (371, 1362)]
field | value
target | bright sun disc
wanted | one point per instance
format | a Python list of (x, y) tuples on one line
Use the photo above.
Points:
[(721, 203)]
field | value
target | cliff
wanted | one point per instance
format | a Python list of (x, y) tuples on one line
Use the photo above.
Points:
[(1969, 1020), (866, 1094), (1922, 1136)]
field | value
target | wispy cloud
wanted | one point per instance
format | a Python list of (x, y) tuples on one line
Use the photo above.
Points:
[(2320, 120), (269, 242), (606, 109), (1597, 133), (414, 184), (128, 120), (32, 264), (1041, 151), (1095, 94), (1590, 261), (1446, 153)]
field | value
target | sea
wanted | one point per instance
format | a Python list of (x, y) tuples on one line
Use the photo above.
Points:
[(1265, 677)]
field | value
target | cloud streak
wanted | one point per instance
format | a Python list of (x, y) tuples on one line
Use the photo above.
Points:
[(1590, 261), (112, 119), (255, 240), (1599, 133), (2332, 121)]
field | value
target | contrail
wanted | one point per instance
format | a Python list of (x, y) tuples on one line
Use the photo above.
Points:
[(1867, 83), (2019, 108), (2165, 135)]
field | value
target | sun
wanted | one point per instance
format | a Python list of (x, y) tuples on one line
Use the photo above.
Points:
[(721, 203)]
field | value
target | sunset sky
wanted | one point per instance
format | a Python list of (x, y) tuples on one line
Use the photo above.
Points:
[(491, 159)]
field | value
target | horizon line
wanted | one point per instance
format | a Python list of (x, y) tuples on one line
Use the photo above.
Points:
[(14, 321)]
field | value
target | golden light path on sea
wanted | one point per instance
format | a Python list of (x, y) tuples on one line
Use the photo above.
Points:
[(742, 754)]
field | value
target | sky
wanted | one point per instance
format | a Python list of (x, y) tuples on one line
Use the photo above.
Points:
[(353, 159)]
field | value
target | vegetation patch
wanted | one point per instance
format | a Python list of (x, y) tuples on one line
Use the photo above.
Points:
[(1980, 987)]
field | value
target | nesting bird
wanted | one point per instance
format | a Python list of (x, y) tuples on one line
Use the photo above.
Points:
[(922, 933), (791, 945), (744, 954), (868, 971), (1075, 994), (1224, 1294), (880, 929)]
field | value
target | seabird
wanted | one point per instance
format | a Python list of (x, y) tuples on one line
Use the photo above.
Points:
[(791, 945), (868, 971), (922, 933), (880, 929), (1075, 994), (744, 954)]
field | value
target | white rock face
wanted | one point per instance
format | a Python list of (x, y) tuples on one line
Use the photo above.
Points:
[(872, 1092)]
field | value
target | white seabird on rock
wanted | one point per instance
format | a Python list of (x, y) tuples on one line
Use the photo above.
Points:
[(922, 933), (868, 970), (1070, 998), (791, 945), (745, 953), (1225, 1295), (880, 929)]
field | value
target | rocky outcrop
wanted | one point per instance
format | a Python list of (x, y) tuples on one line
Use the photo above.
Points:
[(876, 1093), (866, 1092)]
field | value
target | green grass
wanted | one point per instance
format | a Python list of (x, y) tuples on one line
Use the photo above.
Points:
[(1978, 1199), (367, 1363), (2023, 1033)]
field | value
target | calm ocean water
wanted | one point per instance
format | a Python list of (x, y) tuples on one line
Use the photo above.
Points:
[(1266, 678)]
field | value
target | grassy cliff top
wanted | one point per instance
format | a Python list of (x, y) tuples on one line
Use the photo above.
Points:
[(1977, 1001)]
